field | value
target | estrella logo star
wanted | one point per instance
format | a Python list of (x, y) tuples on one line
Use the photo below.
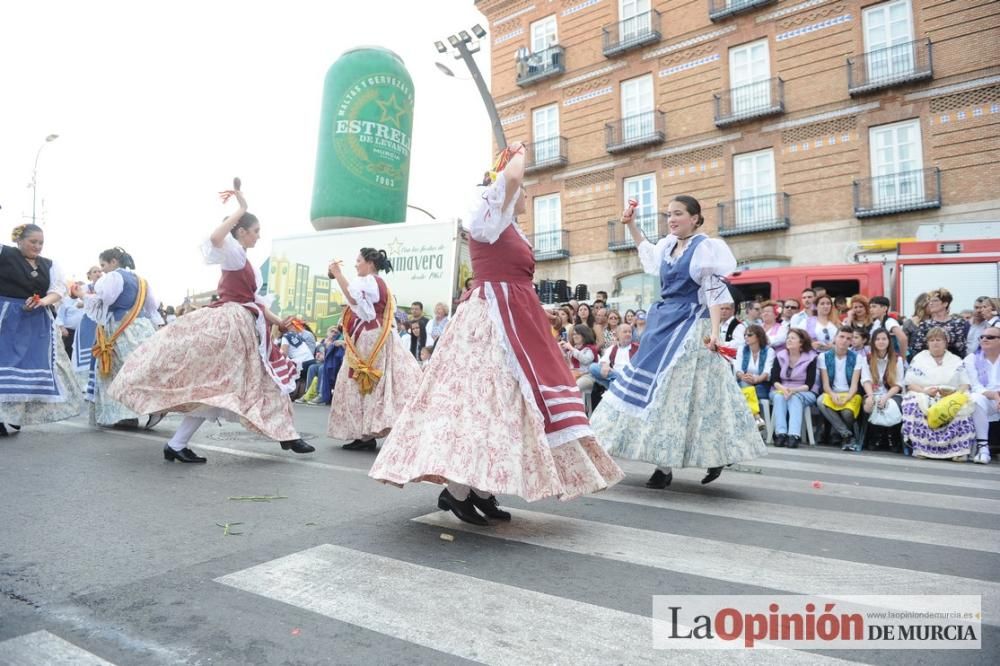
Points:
[(394, 247), (392, 112)]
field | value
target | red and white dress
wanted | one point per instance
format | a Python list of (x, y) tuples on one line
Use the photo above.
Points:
[(357, 416), (218, 361), (497, 408)]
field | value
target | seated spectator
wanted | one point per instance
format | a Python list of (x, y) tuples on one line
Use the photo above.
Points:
[(438, 324), (983, 370), (799, 319), (983, 315), (629, 318), (614, 321), (859, 341), (754, 362), (753, 365), (615, 358), (882, 380), (751, 313), (840, 307), (791, 310), (604, 334), (312, 376), (933, 374), (294, 346), (775, 329), (731, 328), (793, 378), (879, 309), (939, 316), (425, 356), (334, 358), (565, 324), (640, 325), (417, 338), (911, 325), (840, 376), (581, 354), (859, 315), (585, 316), (822, 328)]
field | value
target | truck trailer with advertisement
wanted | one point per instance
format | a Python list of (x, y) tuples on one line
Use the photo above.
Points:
[(430, 263)]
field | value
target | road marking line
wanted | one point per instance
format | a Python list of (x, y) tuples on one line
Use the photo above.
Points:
[(42, 648)]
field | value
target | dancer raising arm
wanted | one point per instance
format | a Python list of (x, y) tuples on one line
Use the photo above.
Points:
[(677, 403), (498, 411), (218, 361)]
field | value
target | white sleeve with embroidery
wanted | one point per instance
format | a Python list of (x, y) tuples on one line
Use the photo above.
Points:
[(712, 261), (651, 256), (486, 219), (364, 291), (57, 281), (231, 256), (107, 289)]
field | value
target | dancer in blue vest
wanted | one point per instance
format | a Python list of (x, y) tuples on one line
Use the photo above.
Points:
[(677, 405), (117, 293), (37, 384)]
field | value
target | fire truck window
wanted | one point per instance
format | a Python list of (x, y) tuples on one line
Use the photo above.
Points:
[(754, 291), (835, 288)]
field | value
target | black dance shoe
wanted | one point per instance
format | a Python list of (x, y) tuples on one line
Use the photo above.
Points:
[(360, 445), (297, 446), (464, 510), (794, 441), (185, 455), (127, 424), (713, 474), (488, 505), (153, 420), (8, 430), (659, 480), (780, 441)]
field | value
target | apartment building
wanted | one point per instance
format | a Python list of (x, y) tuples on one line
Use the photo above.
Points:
[(803, 127)]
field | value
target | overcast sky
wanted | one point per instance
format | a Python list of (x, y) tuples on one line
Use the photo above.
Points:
[(159, 105)]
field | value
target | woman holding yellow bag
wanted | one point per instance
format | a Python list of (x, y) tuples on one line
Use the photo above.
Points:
[(840, 374), (379, 374), (754, 362), (935, 381)]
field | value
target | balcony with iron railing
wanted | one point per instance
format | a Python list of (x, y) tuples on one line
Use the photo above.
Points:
[(723, 9), (632, 33), (540, 65), (550, 245), (642, 129), (897, 192), (546, 154), (754, 214), (754, 100), (891, 66), (653, 227)]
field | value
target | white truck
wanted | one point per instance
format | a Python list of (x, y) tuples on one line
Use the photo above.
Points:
[(430, 264)]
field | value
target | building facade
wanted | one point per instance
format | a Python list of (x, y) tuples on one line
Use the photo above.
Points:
[(803, 127)]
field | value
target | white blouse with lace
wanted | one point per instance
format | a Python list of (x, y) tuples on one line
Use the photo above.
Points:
[(364, 291), (233, 257), (487, 218), (107, 289), (712, 260)]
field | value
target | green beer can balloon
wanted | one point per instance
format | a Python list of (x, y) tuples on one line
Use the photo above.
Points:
[(363, 157)]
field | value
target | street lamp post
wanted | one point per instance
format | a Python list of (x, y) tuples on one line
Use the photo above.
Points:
[(464, 47), (34, 174)]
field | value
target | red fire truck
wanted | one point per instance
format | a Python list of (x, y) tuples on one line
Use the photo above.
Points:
[(901, 269)]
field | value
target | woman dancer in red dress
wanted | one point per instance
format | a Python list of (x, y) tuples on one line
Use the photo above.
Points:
[(497, 411), (218, 361)]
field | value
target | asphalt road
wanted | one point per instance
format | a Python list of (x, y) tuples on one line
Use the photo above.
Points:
[(109, 554)]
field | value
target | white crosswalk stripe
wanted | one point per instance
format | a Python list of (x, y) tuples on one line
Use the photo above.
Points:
[(415, 603), (41, 648)]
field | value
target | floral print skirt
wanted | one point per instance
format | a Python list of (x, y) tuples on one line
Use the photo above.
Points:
[(956, 439), (207, 359), (470, 423), (105, 410)]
